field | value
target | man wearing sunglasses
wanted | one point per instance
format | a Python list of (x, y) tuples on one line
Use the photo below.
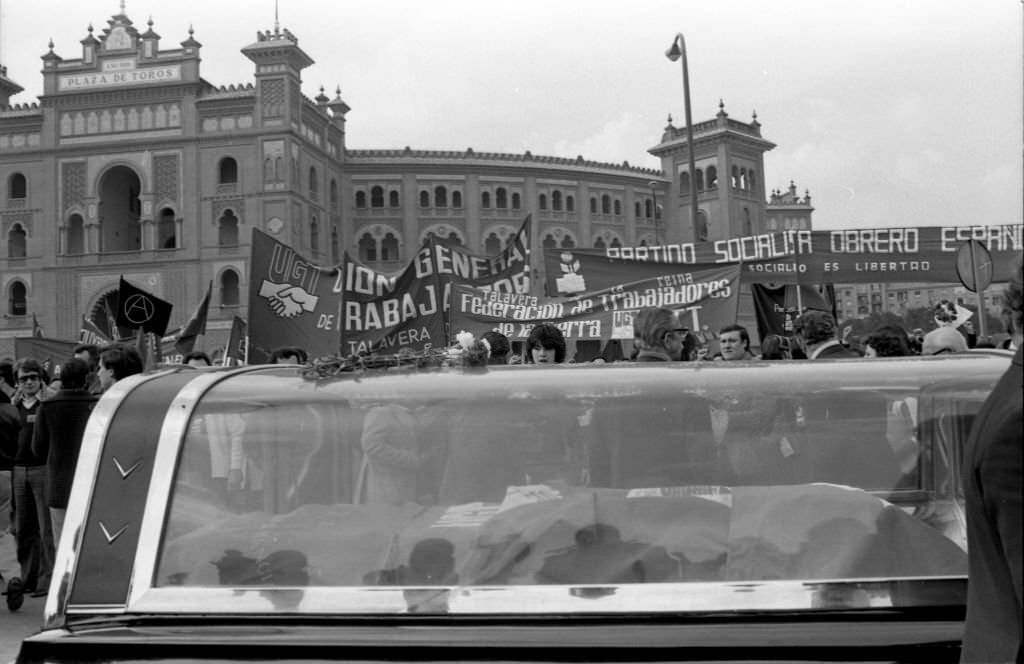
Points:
[(32, 515)]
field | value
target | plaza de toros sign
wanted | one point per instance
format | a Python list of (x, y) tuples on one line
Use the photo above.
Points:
[(120, 72)]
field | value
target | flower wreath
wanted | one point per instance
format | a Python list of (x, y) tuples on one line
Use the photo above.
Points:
[(466, 353)]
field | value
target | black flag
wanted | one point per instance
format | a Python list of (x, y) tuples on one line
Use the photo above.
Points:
[(138, 309)]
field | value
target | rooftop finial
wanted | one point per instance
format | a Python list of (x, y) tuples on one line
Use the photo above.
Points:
[(122, 6), (277, 24)]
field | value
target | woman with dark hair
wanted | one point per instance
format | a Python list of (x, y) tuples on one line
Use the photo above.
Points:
[(887, 341), (774, 347), (545, 345)]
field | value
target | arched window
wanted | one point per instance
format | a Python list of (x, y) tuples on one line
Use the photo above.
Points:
[(648, 206), (335, 244), (17, 186), (643, 241), (361, 199), (517, 201), (618, 207), (712, 174), (377, 196), (501, 198), (16, 242), (456, 199), (424, 199), (743, 178), (485, 200), (684, 184), (492, 244), (542, 202), (616, 243), (227, 229), (393, 200), (593, 205), (332, 193), (735, 177), (17, 299), (549, 242), (570, 203), (440, 197), (750, 180), (568, 242), (76, 236), (367, 249), (314, 184), (636, 209), (229, 288), (389, 248), (748, 226), (606, 204), (702, 226), (454, 238), (227, 172), (700, 180), (314, 235), (556, 201), (167, 237), (599, 243)]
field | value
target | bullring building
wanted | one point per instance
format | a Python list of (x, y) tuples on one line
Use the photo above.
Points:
[(131, 163)]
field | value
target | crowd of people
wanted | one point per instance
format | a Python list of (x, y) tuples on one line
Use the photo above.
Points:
[(42, 420)]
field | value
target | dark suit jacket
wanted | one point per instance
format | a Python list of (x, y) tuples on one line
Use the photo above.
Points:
[(992, 489), (57, 438), (836, 352)]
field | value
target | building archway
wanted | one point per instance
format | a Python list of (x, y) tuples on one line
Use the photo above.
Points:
[(103, 315), (119, 210)]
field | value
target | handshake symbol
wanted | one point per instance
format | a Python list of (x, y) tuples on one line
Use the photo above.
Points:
[(286, 300)]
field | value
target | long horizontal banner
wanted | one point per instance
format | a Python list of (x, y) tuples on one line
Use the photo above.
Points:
[(922, 254), (705, 299)]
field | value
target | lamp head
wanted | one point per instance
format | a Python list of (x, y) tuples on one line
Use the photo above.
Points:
[(675, 51)]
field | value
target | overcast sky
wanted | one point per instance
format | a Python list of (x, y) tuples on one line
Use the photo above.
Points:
[(889, 113)]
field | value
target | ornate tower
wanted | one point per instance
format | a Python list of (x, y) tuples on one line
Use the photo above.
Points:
[(729, 178)]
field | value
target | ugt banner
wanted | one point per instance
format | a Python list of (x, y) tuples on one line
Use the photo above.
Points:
[(292, 301), (705, 299)]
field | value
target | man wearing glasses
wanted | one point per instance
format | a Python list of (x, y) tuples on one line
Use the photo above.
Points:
[(32, 516), (658, 335)]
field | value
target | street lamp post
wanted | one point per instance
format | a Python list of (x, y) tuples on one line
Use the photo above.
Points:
[(677, 51), (653, 184)]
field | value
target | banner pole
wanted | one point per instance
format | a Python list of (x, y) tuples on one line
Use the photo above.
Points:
[(980, 292)]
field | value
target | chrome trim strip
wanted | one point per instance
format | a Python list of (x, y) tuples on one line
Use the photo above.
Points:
[(80, 499), (702, 597), (172, 433)]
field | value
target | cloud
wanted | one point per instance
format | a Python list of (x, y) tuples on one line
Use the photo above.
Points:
[(616, 141)]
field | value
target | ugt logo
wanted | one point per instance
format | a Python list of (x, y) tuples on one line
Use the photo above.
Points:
[(291, 284)]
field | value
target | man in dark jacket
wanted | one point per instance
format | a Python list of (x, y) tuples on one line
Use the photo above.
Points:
[(60, 424), (992, 491), (31, 515), (816, 333)]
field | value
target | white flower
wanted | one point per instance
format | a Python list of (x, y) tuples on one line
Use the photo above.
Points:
[(465, 339)]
